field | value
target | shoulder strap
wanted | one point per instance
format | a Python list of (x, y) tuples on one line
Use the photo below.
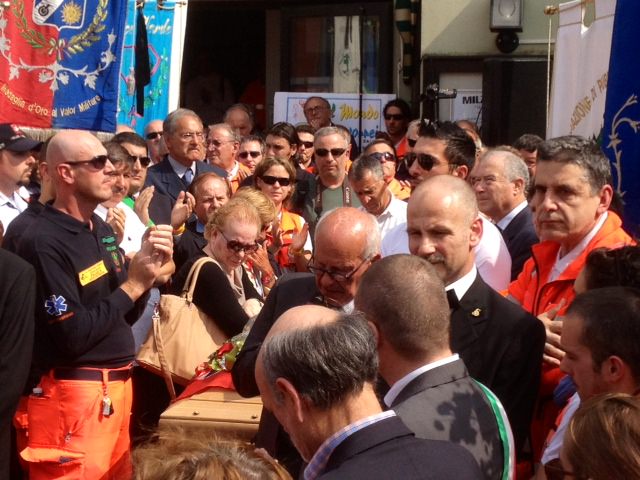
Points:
[(192, 278)]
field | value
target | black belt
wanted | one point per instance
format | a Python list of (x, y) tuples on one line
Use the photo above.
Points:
[(91, 375)]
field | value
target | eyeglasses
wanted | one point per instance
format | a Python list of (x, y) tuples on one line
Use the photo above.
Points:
[(144, 161), (394, 116), (98, 162), (187, 136), (316, 109), (554, 471), (237, 247), (245, 155), (335, 152), (306, 144), (271, 180), (218, 143), (383, 156), (412, 142), (336, 276), (153, 135), (425, 160)]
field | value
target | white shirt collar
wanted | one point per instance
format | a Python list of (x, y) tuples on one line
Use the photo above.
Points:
[(397, 387), (562, 263), (179, 168), (463, 284), (506, 220)]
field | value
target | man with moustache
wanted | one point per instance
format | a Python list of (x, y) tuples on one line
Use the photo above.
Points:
[(78, 414), (500, 343)]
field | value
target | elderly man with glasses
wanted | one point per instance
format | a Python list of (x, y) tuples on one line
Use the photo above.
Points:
[(346, 244)]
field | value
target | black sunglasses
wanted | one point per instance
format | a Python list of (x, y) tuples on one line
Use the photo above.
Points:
[(554, 471), (306, 144), (335, 152), (425, 160), (394, 116), (271, 180), (237, 247), (153, 135), (144, 161), (337, 276), (245, 155), (383, 156), (412, 142), (98, 162)]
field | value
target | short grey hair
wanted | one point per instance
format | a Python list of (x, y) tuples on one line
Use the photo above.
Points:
[(514, 166), (325, 363), (169, 124), (326, 131), (362, 165), (227, 129)]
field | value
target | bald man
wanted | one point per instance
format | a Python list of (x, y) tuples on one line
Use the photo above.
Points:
[(347, 242), (316, 373), (84, 308), (500, 343)]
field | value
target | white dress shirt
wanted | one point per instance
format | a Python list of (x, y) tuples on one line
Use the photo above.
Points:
[(506, 220), (395, 214), (10, 207)]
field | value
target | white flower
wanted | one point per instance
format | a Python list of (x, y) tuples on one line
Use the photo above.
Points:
[(3, 23), (5, 44), (111, 38), (107, 58), (14, 72), (63, 78), (90, 81), (44, 77)]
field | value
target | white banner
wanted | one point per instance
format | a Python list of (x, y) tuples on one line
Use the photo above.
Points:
[(580, 66), (288, 107)]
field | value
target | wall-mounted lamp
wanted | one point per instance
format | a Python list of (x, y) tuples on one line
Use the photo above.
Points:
[(506, 19)]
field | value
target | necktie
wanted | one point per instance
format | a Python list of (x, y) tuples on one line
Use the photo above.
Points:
[(188, 177), (453, 299)]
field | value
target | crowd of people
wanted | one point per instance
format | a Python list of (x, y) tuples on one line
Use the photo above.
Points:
[(430, 307)]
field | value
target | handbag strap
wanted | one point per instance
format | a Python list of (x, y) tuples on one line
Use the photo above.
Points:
[(192, 278), (164, 366)]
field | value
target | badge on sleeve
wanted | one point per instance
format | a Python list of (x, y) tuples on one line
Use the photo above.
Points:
[(56, 305), (92, 273)]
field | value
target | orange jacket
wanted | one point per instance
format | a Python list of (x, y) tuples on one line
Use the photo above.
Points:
[(531, 288), (290, 224)]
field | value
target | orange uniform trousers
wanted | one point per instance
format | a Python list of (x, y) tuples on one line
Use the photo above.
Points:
[(68, 434)]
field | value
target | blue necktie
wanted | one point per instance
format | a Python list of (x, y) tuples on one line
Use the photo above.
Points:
[(188, 177)]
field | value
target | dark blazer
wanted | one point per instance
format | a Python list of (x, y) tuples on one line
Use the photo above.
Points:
[(501, 345), (445, 403), (162, 176), (292, 290), (519, 235), (388, 449)]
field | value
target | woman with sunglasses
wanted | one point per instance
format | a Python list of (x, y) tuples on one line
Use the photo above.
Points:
[(223, 290), (276, 178), (383, 150)]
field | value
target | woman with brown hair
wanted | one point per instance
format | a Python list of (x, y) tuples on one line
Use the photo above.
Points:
[(276, 178)]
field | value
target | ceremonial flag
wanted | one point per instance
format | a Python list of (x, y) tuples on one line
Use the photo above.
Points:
[(59, 63), (621, 138), (580, 64)]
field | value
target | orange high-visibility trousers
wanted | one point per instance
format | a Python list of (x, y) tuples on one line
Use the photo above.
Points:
[(70, 437)]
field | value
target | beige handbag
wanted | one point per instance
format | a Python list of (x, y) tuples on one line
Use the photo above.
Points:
[(182, 336)]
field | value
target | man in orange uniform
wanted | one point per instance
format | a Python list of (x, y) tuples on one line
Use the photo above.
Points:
[(78, 414), (570, 205)]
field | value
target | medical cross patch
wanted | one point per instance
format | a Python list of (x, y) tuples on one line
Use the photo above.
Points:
[(56, 305)]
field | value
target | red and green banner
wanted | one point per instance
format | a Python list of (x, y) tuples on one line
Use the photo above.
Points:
[(59, 63)]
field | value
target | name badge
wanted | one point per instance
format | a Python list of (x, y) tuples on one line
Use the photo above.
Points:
[(92, 273)]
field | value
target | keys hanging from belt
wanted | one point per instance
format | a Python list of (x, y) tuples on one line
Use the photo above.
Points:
[(107, 406)]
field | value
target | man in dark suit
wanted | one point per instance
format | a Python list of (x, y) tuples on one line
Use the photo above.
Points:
[(184, 136), (500, 179), (346, 243), (499, 342), (316, 372), (431, 390)]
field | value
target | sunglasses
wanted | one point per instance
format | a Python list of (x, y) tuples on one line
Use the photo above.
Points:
[(245, 155), (153, 135), (306, 144), (425, 160), (144, 161), (237, 247), (554, 471), (412, 142), (394, 116), (383, 156), (271, 180), (98, 162), (335, 152), (334, 275)]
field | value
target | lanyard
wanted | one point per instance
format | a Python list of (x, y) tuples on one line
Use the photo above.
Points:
[(320, 188)]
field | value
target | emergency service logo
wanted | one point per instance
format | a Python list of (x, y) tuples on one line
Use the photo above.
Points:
[(56, 305)]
